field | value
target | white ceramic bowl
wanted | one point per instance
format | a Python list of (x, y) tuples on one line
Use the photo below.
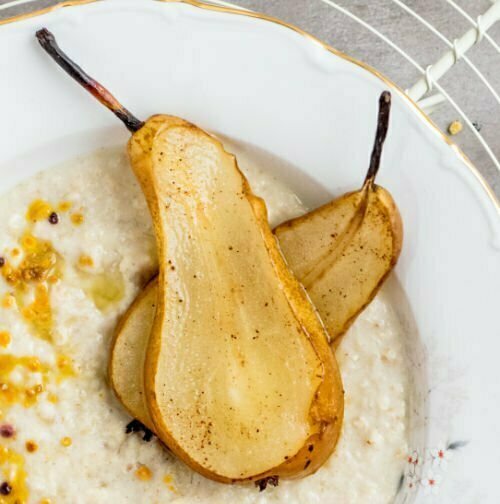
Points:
[(276, 88)]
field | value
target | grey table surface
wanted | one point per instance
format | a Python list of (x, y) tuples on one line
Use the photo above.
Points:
[(425, 47)]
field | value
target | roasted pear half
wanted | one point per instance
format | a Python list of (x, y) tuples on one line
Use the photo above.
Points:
[(343, 251), (239, 379)]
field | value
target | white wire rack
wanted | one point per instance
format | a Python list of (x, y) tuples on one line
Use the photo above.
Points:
[(421, 91), (431, 74)]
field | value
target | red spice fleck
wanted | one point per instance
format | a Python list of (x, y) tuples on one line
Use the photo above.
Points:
[(53, 218), (7, 431)]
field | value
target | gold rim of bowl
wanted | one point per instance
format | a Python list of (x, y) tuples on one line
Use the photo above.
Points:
[(230, 10)]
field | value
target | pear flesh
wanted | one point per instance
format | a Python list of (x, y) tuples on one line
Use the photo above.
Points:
[(126, 364), (342, 253), (239, 379)]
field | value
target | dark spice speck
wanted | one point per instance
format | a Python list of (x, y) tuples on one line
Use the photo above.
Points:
[(133, 426), (5, 489), (2, 262), (136, 426), (53, 218), (270, 480)]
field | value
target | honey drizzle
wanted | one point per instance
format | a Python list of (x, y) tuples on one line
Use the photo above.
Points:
[(38, 210), (13, 393), (40, 267), (30, 279)]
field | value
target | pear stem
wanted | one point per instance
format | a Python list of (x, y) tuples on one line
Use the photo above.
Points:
[(49, 44), (384, 110)]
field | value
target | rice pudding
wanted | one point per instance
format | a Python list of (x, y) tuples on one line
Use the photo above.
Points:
[(76, 246)]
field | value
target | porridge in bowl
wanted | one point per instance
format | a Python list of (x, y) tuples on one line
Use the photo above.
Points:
[(77, 245)]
